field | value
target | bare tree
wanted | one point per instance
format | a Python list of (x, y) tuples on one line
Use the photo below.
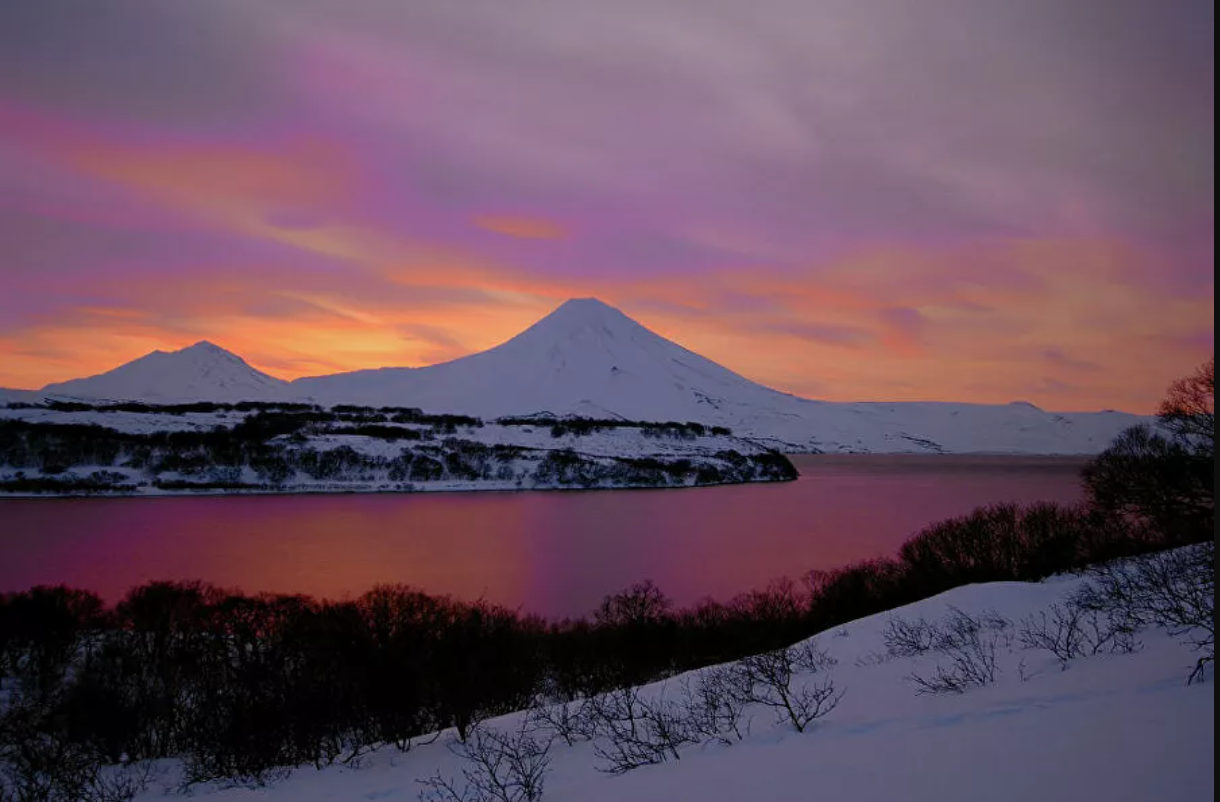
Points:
[(1165, 485), (643, 602), (1189, 408)]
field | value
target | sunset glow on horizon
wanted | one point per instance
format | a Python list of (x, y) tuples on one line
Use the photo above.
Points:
[(966, 200)]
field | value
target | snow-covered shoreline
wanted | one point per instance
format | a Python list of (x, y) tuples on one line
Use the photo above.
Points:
[(78, 450)]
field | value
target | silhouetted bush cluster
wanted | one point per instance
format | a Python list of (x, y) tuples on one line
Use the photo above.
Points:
[(202, 407), (240, 685), (1162, 481), (445, 423), (1005, 542), (95, 482), (580, 427)]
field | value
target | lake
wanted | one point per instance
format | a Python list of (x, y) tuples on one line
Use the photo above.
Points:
[(553, 553)]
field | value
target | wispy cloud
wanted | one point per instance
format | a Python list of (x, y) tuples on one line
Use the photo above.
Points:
[(971, 199)]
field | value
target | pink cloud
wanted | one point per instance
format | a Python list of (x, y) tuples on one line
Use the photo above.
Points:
[(842, 198)]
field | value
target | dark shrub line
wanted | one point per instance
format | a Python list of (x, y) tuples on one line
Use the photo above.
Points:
[(270, 443), (580, 427)]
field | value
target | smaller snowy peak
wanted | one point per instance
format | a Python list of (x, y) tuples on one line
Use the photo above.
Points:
[(200, 372)]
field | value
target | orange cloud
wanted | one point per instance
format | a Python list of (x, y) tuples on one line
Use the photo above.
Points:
[(970, 322), (521, 227), (302, 172), (236, 186)]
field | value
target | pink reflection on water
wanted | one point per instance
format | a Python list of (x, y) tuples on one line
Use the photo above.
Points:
[(551, 553)]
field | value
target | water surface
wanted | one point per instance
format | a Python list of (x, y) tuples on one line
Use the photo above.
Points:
[(554, 553)]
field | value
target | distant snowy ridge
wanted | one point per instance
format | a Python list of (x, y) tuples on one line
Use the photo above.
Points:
[(202, 372), (588, 359)]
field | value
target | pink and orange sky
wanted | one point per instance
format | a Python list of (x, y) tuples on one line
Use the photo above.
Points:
[(973, 200)]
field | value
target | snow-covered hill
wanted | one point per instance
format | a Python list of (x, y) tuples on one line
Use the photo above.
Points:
[(1113, 727), (201, 372), (589, 359), (8, 396)]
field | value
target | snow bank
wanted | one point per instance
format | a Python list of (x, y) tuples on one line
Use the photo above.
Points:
[(1120, 728)]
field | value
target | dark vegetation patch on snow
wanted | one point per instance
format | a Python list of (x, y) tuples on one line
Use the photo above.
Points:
[(579, 426), (271, 447)]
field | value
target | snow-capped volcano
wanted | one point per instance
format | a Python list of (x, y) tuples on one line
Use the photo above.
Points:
[(584, 358), (589, 359), (201, 372)]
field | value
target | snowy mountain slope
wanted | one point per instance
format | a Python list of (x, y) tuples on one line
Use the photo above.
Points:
[(587, 358), (1113, 727), (19, 396), (584, 358), (201, 372)]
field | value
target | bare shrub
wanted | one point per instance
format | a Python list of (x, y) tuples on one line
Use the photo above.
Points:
[(499, 767), (771, 684), (1069, 631), (570, 721), (1174, 590), (969, 646), (715, 700), (903, 638), (634, 732)]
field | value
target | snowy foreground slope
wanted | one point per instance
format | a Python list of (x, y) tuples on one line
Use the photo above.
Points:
[(1118, 728), (589, 359)]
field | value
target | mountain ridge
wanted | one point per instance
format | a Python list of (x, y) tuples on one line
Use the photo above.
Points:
[(587, 358)]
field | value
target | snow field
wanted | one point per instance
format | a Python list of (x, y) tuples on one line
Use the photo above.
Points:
[(1120, 728)]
